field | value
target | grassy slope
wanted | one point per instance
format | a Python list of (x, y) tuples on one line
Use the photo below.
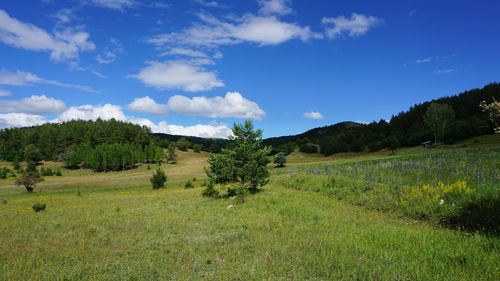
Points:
[(119, 228)]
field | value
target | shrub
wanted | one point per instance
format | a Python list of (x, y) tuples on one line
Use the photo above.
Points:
[(58, 173), (280, 159), (4, 172), (197, 148), (37, 207), (189, 184), (29, 180), (47, 172), (158, 179), (210, 191)]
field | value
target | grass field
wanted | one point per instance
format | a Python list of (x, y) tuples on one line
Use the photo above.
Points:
[(114, 226)]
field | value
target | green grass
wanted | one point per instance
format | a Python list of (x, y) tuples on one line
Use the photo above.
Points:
[(114, 226), (440, 185)]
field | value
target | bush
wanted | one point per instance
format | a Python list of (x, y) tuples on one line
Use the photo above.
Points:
[(197, 148), (479, 214), (4, 173), (47, 172), (189, 184), (158, 179), (210, 191), (29, 180), (58, 173), (37, 207), (280, 159)]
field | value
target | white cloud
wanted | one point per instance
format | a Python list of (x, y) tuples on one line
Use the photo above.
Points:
[(198, 130), (110, 53), (184, 52), (261, 30), (22, 78), (270, 31), (445, 71), (233, 104), (62, 45), (32, 105), (10, 120), (4, 93), (313, 115), (147, 105), (208, 3), (357, 25), (278, 7), (113, 4), (89, 112), (181, 75), (64, 16)]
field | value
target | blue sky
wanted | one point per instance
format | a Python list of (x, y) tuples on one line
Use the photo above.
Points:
[(197, 66)]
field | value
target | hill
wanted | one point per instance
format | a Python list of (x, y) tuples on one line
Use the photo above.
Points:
[(404, 129)]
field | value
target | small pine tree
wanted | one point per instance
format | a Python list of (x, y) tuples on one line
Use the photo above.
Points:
[(244, 162), (159, 179)]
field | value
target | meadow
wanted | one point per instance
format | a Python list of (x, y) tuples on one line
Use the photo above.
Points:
[(318, 219)]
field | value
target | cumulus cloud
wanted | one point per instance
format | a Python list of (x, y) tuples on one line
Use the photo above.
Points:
[(181, 75), (32, 105), (147, 105), (10, 120), (313, 115), (22, 78), (212, 32), (63, 45), (198, 130), (278, 7), (89, 112), (233, 104), (357, 25)]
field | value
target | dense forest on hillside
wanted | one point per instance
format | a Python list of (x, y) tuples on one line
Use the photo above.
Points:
[(57, 141), (404, 129)]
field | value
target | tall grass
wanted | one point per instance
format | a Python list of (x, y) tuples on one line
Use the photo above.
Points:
[(449, 186)]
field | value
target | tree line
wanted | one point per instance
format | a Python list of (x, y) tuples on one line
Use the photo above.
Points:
[(100, 145)]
